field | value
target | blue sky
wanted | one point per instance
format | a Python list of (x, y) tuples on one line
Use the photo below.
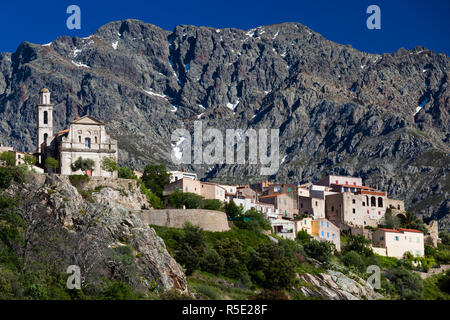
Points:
[(403, 23)]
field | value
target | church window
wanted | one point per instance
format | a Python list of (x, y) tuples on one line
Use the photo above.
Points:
[(79, 139), (95, 139), (45, 117), (87, 142), (45, 136)]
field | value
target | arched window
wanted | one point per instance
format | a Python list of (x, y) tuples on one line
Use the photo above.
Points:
[(45, 136), (380, 202), (398, 207), (95, 139), (373, 202), (45, 117)]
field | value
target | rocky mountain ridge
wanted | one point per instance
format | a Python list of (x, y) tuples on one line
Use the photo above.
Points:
[(384, 117)]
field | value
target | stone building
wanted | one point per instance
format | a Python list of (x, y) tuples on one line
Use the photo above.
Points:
[(86, 137), (395, 243)]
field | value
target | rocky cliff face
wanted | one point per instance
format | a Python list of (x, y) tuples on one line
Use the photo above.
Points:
[(384, 118), (64, 228)]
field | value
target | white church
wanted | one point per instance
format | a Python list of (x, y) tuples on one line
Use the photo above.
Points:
[(86, 137)]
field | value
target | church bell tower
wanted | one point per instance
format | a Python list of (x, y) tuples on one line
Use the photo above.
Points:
[(44, 119)]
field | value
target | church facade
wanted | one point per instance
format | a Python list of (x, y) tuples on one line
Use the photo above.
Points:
[(86, 137)]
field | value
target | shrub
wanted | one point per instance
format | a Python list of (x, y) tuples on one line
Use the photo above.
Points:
[(82, 164), (353, 259), (29, 160), (212, 204), (212, 262), (408, 285), (9, 158), (126, 173), (444, 282), (253, 220), (319, 250), (109, 164), (6, 177), (445, 237), (118, 291), (303, 237), (78, 180), (208, 291), (155, 177), (278, 268), (188, 258), (232, 210), (358, 244), (51, 164), (179, 198), (234, 257), (154, 200)]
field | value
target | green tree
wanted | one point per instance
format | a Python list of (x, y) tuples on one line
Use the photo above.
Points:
[(51, 164), (303, 237), (353, 259), (212, 204), (109, 164), (192, 200), (390, 221), (445, 237), (126, 173), (319, 250), (234, 256), (232, 210), (212, 262), (30, 160), (6, 177), (155, 177), (83, 165), (255, 221), (278, 269), (176, 199), (9, 158), (358, 244)]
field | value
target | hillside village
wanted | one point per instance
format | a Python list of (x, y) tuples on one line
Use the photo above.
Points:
[(329, 210), (324, 209)]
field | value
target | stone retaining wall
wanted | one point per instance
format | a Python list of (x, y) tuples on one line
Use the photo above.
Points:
[(208, 220)]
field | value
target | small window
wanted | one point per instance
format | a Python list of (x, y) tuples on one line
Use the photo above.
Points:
[(79, 139), (332, 208), (289, 189), (353, 201), (328, 234), (95, 138), (321, 223), (333, 235), (317, 204), (396, 238), (381, 238), (301, 205), (328, 224), (364, 204), (354, 210), (322, 234), (87, 142), (45, 136), (45, 117)]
